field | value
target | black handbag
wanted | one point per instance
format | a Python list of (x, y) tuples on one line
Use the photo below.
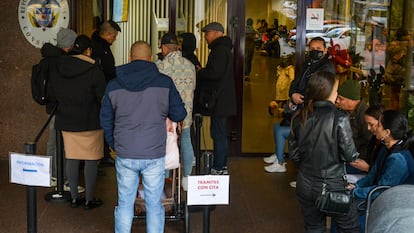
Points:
[(206, 98), (207, 101), (334, 201)]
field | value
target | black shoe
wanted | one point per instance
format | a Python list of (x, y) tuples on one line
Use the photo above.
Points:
[(75, 203), (94, 203)]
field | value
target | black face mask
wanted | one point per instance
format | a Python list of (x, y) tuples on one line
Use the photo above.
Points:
[(315, 55)]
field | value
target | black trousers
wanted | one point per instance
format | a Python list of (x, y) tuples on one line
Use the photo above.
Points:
[(307, 190)]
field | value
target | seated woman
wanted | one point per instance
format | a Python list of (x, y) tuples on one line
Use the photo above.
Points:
[(391, 167), (371, 117)]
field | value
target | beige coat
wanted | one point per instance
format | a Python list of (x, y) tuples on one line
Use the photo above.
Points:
[(84, 145)]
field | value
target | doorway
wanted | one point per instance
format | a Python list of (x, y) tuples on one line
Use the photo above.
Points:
[(259, 85)]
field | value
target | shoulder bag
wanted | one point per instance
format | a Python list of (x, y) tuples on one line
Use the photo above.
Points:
[(207, 99), (333, 201)]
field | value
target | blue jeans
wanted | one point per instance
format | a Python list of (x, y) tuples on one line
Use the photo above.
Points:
[(280, 134), (218, 131), (187, 151), (127, 175)]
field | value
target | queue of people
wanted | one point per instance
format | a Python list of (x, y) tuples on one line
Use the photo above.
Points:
[(94, 101)]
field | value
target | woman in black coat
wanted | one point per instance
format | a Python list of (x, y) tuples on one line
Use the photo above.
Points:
[(79, 89)]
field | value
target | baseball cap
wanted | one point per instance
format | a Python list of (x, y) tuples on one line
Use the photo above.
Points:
[(65, 38), (169, 38), (81, 44), (214, 26)]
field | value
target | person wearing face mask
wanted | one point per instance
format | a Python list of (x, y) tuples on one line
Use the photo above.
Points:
[(318, 61), (392, 166)]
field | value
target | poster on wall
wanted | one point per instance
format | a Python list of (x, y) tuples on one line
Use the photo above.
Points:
[(314, 18), (40, 20), (120, 12)]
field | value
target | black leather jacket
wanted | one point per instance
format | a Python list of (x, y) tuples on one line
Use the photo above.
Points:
[(324, 143)]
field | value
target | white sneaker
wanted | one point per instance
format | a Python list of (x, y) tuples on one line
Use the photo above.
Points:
[(67, 188), (53, 181), (184, 183), (293, 184), (276, 167), (271, 159)]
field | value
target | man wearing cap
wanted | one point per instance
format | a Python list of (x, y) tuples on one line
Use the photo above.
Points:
[(217, 76), (349, 99), (183, 73)]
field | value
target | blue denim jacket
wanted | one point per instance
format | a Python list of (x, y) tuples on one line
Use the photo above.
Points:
[(394, 172)]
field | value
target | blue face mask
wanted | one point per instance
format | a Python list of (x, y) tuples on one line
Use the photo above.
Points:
[(315, 55)]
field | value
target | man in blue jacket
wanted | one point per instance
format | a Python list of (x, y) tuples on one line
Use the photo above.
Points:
[(133, 115)]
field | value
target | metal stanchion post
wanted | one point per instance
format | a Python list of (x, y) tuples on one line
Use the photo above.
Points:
[(206, 219), (198, 120), (31, 207)]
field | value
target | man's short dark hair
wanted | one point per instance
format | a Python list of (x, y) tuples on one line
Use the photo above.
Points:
[(318, 38), (109, 26)]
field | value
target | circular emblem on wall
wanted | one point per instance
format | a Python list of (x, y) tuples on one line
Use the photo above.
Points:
[(40, 20)]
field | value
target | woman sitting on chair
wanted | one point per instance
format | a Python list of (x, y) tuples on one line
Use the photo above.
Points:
[(392, 165)]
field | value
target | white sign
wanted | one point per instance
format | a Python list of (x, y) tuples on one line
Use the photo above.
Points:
[(208, 190), (40, 20), (33, 170), (314, 18)]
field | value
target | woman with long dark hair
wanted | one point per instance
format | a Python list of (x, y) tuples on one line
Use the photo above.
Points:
[(392, 166), (320, 142), (372, 116)]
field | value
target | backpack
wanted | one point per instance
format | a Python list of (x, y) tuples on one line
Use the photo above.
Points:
[(40, 76)]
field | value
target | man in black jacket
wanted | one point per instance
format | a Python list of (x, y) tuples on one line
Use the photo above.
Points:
[(218, 76), (318, 61), (102, 39)]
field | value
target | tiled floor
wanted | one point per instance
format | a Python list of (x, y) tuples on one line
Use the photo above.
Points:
[(259, 202)]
